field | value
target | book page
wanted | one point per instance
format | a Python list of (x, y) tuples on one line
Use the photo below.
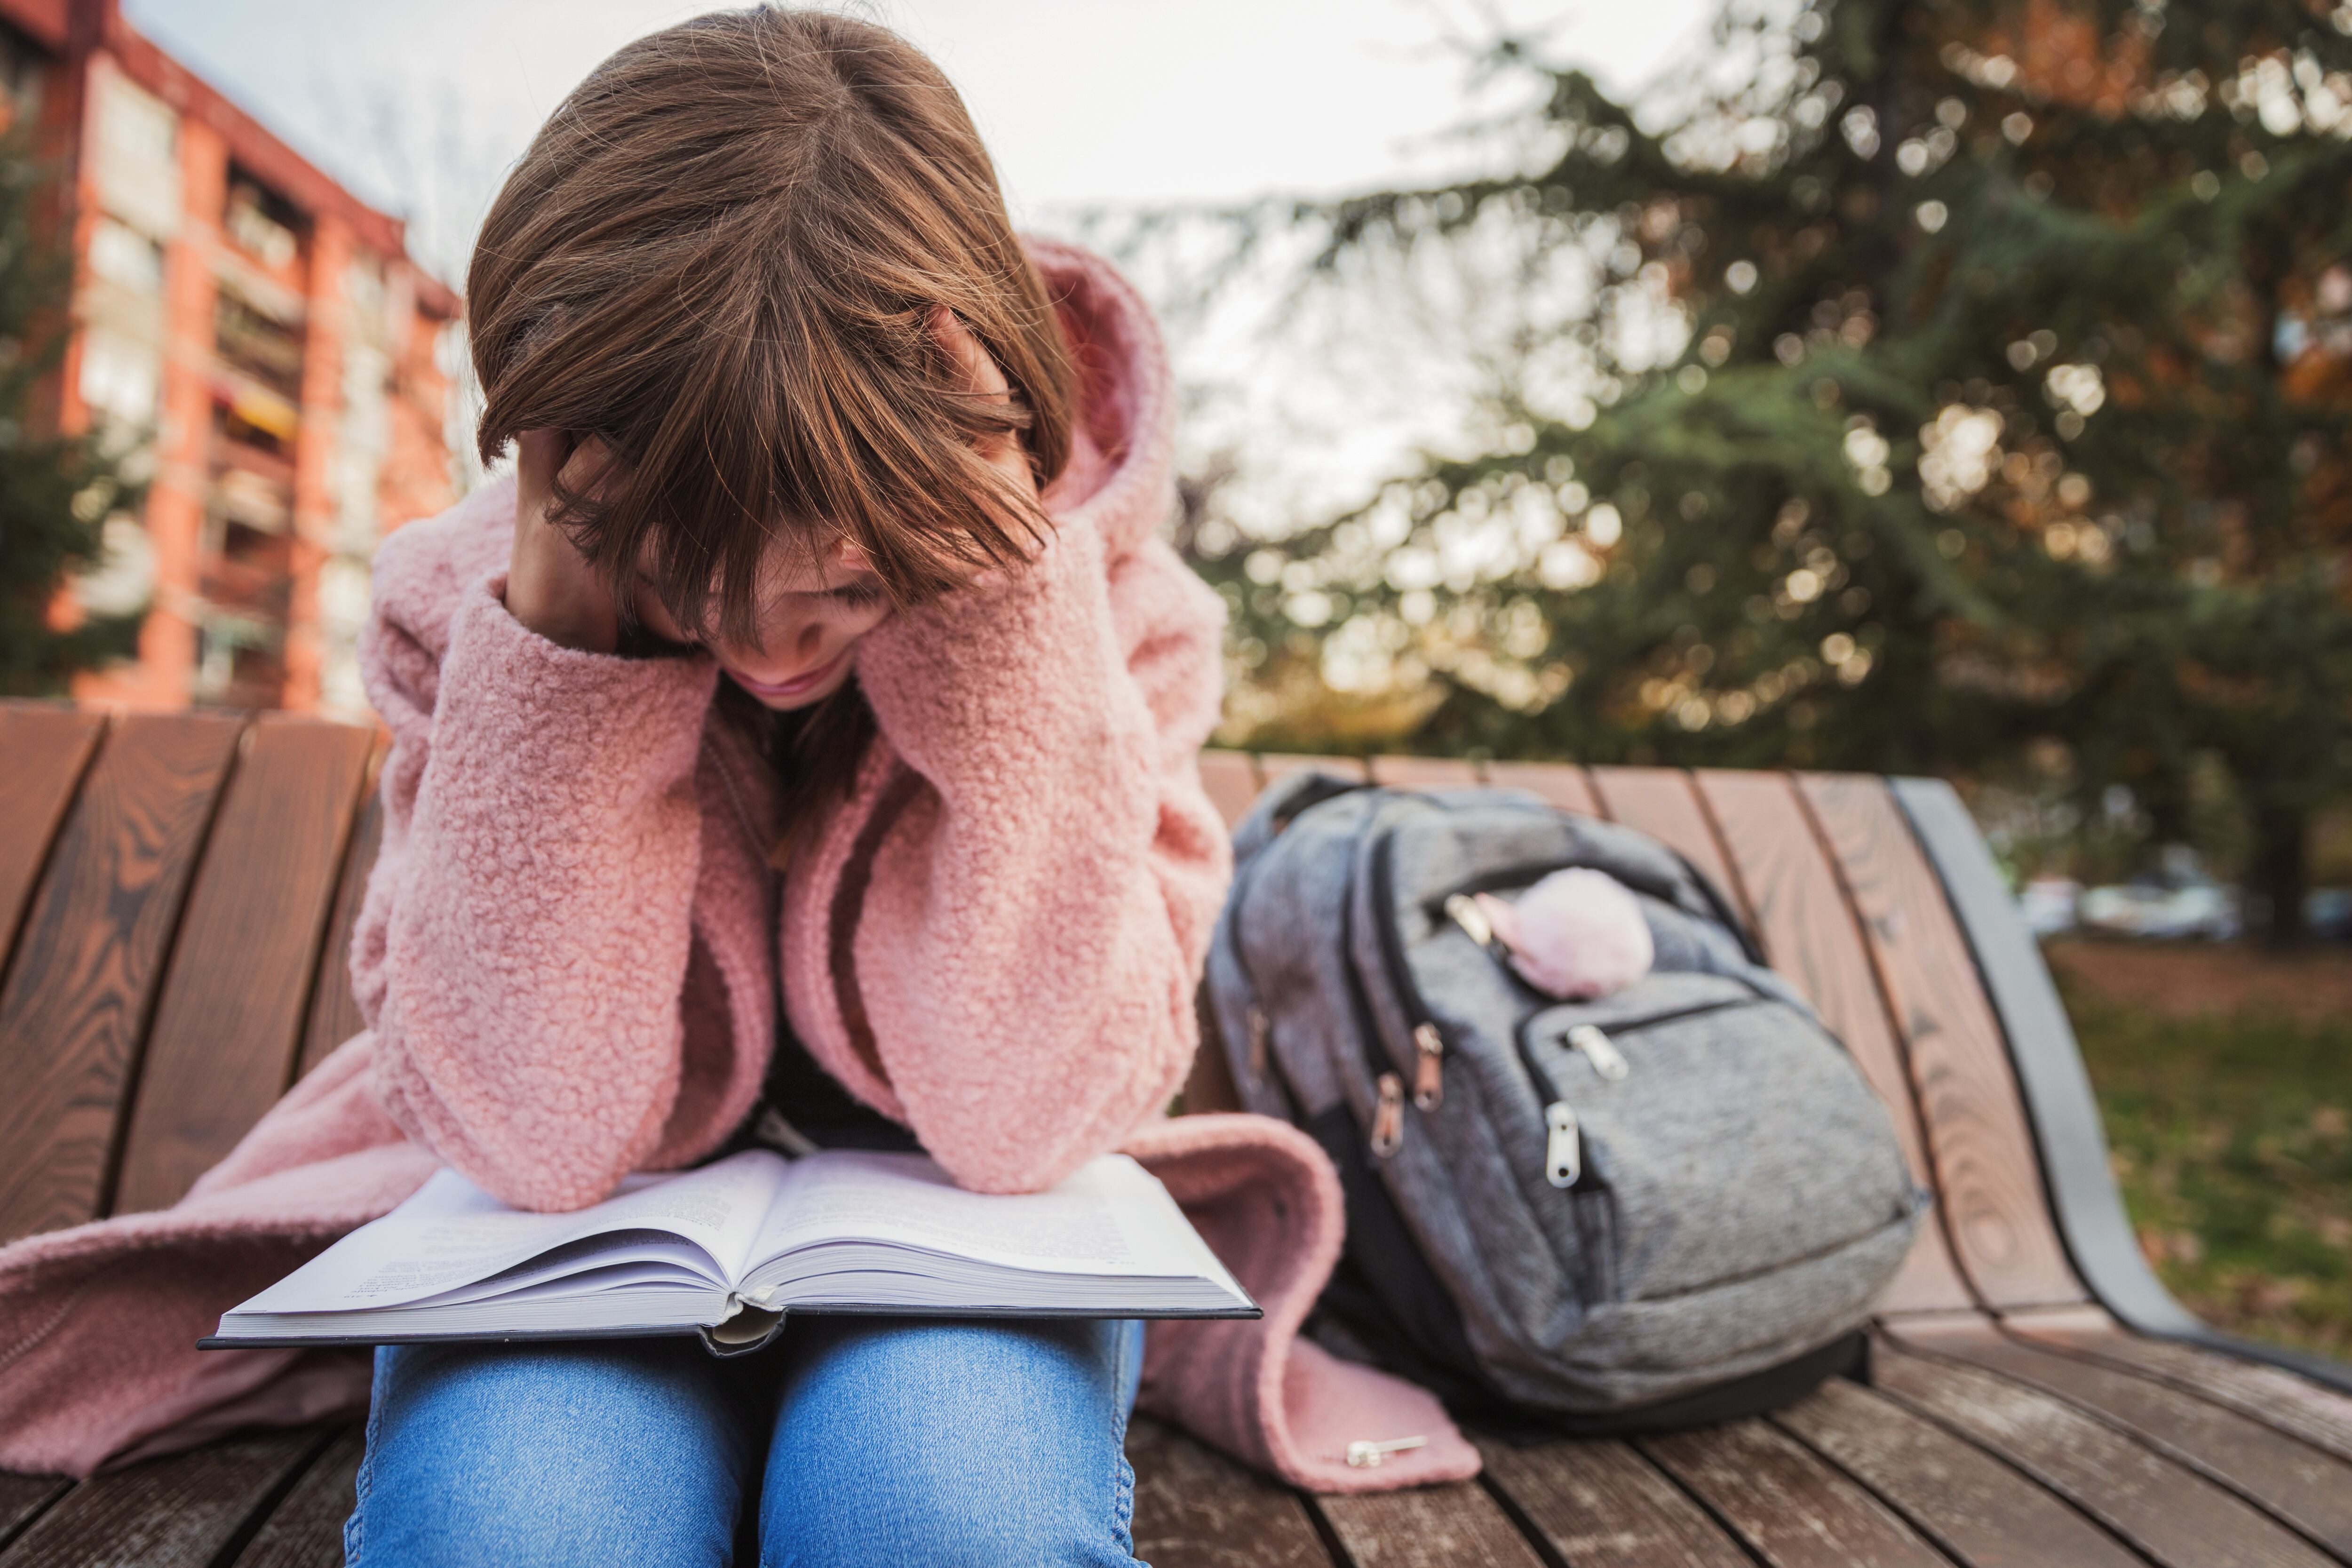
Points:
[(1102, 1219), (451, 1233)]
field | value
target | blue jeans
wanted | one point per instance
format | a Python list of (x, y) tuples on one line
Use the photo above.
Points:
[(868, 1440)]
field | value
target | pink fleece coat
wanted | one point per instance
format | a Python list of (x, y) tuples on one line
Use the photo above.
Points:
[(571, 948)]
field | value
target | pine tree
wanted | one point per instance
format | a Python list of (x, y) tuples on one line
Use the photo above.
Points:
[(2009, 417), (55, 491)]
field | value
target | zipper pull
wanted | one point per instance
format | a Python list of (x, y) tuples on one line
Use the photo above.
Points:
[(1599, 1050), (1259, 1033), (1466, 914), (1429, 1072), (1388, 1118), (1367, 1456), (1563, 1145)]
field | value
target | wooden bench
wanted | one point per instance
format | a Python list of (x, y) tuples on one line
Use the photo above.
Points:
[(175, 897)]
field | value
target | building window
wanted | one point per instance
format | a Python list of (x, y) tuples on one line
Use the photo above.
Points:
[(121, 255), (120, 378)]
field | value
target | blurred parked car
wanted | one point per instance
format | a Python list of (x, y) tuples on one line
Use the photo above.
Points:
[(2205, 910), (2328, 915), (2047, 905)]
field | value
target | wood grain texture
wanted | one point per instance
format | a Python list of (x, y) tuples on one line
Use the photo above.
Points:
[(228, 1029), (2294, 1482), (1969, 1503), (334, 1011), (2163, 1508), (1795, 1510), (22, 1499), (1424, 773), (1809, 933), (1662, 803), (306, 1531), (75, 1008), (177, 1512), (1231, 784), (43, 750), (2320, 1416), (1456, 1526), (1601, 1505), (1562, 784), (1195, 1508), (1987, 1179)]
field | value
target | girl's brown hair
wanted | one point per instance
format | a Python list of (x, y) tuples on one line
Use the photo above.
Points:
[(721, 255)]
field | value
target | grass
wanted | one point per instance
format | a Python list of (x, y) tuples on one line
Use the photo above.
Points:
[(2232, 1139)]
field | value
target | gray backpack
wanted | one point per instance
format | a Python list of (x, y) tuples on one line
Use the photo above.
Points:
[(1672, 1204)]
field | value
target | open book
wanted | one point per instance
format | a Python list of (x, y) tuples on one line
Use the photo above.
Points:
[(728, 1249)]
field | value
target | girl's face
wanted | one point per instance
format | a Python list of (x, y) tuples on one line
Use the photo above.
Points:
[(811, 614)]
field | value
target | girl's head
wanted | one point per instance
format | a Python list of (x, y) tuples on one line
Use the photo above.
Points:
[(723, 263)]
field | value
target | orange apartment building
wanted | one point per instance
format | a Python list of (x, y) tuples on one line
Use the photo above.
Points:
[(263, 337)]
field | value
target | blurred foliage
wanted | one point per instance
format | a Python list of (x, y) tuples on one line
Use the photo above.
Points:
[(2231, 1140), (55, 491), (1963, 388)]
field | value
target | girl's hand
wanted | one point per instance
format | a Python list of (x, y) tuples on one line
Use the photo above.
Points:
[(549, 587), (1004, 452)]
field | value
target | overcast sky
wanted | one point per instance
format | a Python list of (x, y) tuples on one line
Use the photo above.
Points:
[(422, 106)]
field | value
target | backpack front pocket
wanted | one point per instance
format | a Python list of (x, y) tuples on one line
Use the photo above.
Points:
[(1687, 1089)]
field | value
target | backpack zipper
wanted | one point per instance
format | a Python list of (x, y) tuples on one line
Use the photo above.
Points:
[(1528, 873), (1428, 1040), (1471, 918), (1388, 1113), (1594, 1043), (1429, 1067), (1599, 1050), (1563, 1145), (1563, 1135), (1388, 1117)]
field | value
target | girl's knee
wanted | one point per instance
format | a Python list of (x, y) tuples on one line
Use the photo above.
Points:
[(951, 1443), (1024, 1525), (548, 1454)]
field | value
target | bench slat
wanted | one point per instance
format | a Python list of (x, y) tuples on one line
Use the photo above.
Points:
[(1601, 1505), (1425, 773), (2163, 1508), (1562, 784), (1796, 1510), (2305, 1487), (1809, 933), (176, 1512), (2320, 1416), (1230, 783), (306, 1531), (334, 1011), (46, 750), (1969, 1503), (1195, 1508), (1660, 803), (74, 1011), (226, 1032), (22, 1497), (1987, 1180), (1457, 1526), (1275, 765)]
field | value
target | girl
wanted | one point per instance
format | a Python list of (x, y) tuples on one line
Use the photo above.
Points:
[(828, 553), (798, 747)]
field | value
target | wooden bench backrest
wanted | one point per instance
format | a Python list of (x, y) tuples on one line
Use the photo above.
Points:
[(177, 892)]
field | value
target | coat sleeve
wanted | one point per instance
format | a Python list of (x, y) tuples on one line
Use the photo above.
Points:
[(1036, 919), (525, 935)]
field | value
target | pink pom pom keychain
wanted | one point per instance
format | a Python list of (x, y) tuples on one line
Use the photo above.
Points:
[(1576, 935)]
